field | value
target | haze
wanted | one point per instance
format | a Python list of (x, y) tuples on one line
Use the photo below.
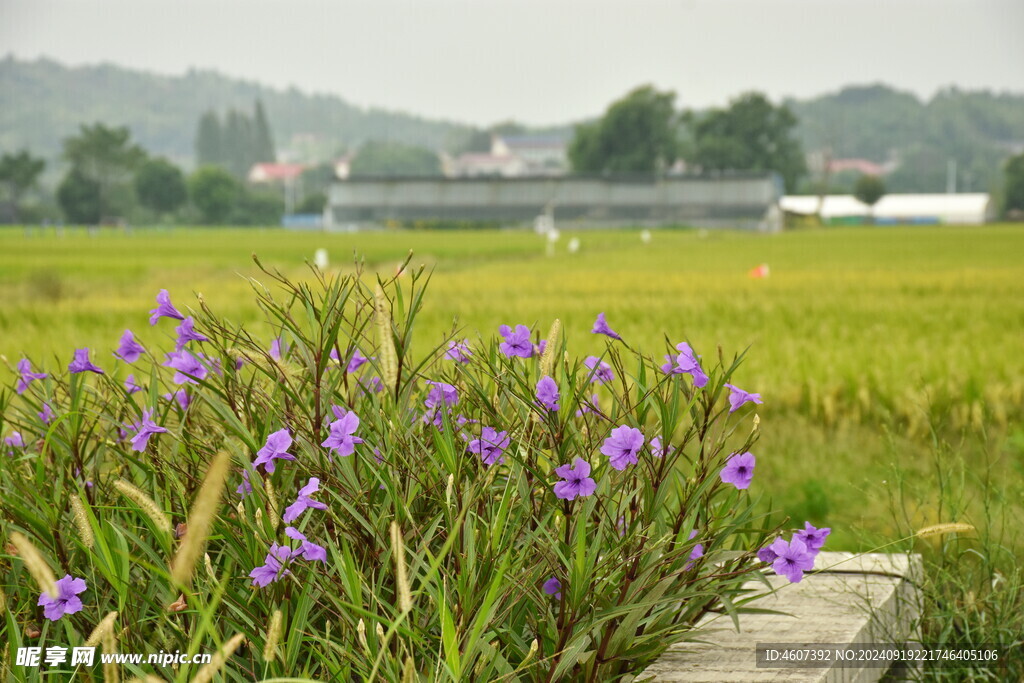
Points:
[(538, 62)]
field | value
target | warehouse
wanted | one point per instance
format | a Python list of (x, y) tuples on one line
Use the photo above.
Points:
[(843, 209), (745, 201)]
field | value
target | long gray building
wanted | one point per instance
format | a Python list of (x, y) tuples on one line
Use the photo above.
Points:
[(744, 201)]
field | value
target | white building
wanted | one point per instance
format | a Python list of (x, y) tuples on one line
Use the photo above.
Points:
[(965, 208), (513, 156)]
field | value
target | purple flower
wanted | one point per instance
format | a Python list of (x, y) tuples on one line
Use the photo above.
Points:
[(698, 550), (187, 333), (26, 376), (145, 430), (81, 363), (459, 351), (600, 371), (188, 367), (588, 406), (813, 538), (276, 448), (792, 559), (130, 386), (371, 385), (538, 349), (304, 501), (278, 348), (696, 553), (271, 570), (576, 480), (441, 395), (490, 446), (687, 362), (78, 475), (766, 554), (245, 488), (547, 393), (737, 397), (358, 360), (46, 414), (516, 343), (164, 308), (553, 587), (601, 327), (66, 601), (670, 367), (15, 440), (341, 438), (658, 450), (129, 350), (622, 446), (181, 396), (739, 470), (309, 551)]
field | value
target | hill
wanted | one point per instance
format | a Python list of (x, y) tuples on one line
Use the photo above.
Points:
[(975, 129), (42, 102)]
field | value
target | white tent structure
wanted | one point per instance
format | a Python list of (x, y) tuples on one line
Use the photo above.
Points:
[(963, 209)]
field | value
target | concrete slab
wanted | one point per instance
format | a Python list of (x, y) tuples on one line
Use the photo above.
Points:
[(867, 598)]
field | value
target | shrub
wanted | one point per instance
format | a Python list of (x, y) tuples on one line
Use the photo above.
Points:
[(352, 508)]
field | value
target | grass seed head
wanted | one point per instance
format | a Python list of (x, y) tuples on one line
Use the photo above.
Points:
[(35, 564), (201, 519)]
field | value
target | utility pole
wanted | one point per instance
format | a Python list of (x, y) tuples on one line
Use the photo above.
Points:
[(951, 176)]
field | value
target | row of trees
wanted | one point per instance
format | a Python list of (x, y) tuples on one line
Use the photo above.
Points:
[(110, 178), (644, 133), (236, 142)]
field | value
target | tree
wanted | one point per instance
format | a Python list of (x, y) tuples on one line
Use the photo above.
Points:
[(214, 192), (637, 134), (108, 158), (264, 141), (160, 186), (869, 189), (19, 174), (238, 144), (79, 197), (1013, 184), (209, 141), (257, 207), (312, 203), (750, 135), (391, 158)]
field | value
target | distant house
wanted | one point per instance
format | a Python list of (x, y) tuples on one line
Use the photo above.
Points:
[(542, 154), (964, 208), (513, 156), (484, 165), (275, 173), (860, 166)]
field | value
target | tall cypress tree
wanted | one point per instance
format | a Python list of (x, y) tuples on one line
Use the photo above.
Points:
[(264, 140), (210, 141), (238, 145)]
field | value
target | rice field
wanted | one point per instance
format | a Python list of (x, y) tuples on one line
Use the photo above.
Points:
[(861, 340)]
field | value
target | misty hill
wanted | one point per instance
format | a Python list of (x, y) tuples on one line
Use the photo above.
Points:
[(42, 102), (976, 129)]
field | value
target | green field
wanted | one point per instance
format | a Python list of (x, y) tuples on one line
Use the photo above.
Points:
[(860, 340)]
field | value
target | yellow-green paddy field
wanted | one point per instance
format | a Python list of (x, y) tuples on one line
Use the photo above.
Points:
[(891, 360)]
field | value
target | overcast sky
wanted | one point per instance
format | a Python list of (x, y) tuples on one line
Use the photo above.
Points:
[(548, 61)]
